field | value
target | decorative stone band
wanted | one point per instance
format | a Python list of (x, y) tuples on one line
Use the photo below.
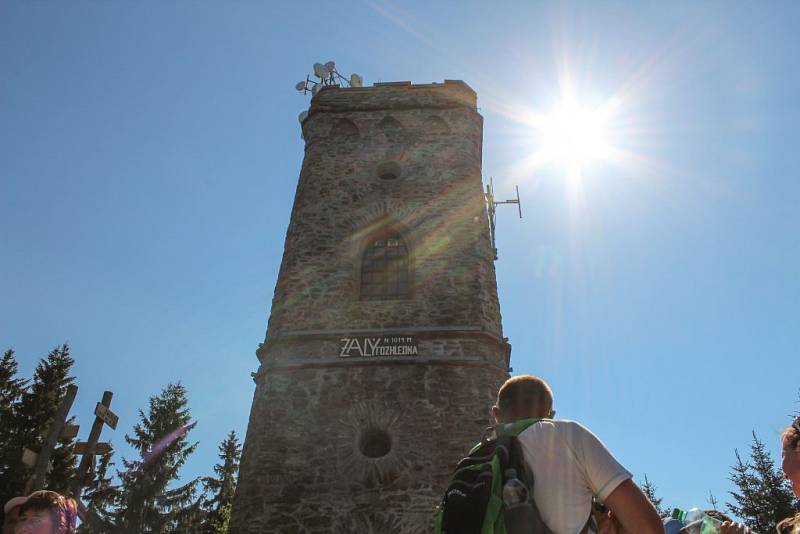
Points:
[(469, 346), (315, 363), (418, 331)]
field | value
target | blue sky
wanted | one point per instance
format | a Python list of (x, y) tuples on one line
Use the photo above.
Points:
[(149, 154)]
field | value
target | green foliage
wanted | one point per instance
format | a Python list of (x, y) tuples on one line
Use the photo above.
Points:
[(146, 500), (223, 486), (26, 413), (763, 497), (12, 473), (37, 407), (99, 497), (649, 490), (223, 520), (712, 500), (145, 497)]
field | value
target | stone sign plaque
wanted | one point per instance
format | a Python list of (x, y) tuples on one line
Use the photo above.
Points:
[(375, 347)]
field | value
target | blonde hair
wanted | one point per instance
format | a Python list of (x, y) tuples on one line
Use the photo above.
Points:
[(791, 436), (790, 525)]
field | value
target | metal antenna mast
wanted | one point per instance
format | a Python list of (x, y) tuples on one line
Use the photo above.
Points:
[(491, 209)]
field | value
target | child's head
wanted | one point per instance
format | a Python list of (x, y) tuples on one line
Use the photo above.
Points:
[(47, 512)]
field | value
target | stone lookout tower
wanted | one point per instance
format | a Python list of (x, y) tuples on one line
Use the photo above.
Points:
[(384, 346)]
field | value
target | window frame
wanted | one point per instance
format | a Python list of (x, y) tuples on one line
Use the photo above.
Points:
[(367, 247)]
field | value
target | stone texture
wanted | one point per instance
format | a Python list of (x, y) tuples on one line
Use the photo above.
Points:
[(367, 445)]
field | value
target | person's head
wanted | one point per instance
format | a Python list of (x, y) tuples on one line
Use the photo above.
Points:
[(47, 512), (523, 397), (790, 525), (791, 455), (11, 514)]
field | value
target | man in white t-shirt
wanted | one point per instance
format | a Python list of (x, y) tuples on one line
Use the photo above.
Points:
[(570, 465)]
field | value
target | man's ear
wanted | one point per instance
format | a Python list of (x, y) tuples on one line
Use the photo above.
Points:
[(498, 418)]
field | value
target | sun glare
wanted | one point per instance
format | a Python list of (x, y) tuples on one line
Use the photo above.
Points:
[(574, 136)]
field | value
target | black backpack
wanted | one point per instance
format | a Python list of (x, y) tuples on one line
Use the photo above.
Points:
[(473, 501)]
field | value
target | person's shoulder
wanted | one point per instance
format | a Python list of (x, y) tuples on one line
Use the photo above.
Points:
[(556, 424), (553, 427), (571, 430), (569, 425)]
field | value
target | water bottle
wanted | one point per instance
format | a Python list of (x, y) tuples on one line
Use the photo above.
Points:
[(515, 492), (697, 522), (518, 512)]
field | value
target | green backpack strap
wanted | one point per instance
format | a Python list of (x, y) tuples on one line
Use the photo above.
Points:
[(517, 427), (493, 522), (437, 525)]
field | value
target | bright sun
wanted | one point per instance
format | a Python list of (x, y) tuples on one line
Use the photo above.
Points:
[(573, 136)]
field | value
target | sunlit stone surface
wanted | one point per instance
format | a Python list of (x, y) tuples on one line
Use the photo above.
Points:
[(373, 383)]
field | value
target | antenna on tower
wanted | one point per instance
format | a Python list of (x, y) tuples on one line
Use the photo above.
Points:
[(491, 209), (326, 75)]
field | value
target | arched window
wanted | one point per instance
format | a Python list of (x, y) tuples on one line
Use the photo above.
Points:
[(436, 125), (344, 128), (384, 269), (391, 128)]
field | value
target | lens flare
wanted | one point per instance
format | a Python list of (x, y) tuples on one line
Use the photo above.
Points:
[(574, 136)]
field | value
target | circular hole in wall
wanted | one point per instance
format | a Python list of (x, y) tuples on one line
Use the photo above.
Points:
[(374, 443), (389, 171)]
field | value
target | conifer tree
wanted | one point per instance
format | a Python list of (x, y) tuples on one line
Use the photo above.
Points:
[(712, 500), (12, 473), (30, 418), (11, 387), (762, 498), (147, 502), (223, 486), (37, 408), (99, 497), (649, 490)]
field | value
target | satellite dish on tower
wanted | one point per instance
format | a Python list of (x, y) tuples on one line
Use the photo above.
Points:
[(303, 116), (327, 75)]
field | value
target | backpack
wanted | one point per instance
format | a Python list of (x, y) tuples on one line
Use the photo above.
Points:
[(473, 500)]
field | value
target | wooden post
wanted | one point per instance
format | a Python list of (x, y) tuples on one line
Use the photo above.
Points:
[(91, 443), (40, 471)]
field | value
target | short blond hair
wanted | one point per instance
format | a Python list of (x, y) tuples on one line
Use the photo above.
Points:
[(789, 525), (791, 436), (523, 391)]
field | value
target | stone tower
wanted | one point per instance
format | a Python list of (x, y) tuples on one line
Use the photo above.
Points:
[(384, 346)]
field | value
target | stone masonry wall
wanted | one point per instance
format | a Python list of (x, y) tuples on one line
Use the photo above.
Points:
[(366, 445), (437, 200), (306, 472)]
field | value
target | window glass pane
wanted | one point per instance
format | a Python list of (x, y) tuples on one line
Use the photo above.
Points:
[(384, 269)]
